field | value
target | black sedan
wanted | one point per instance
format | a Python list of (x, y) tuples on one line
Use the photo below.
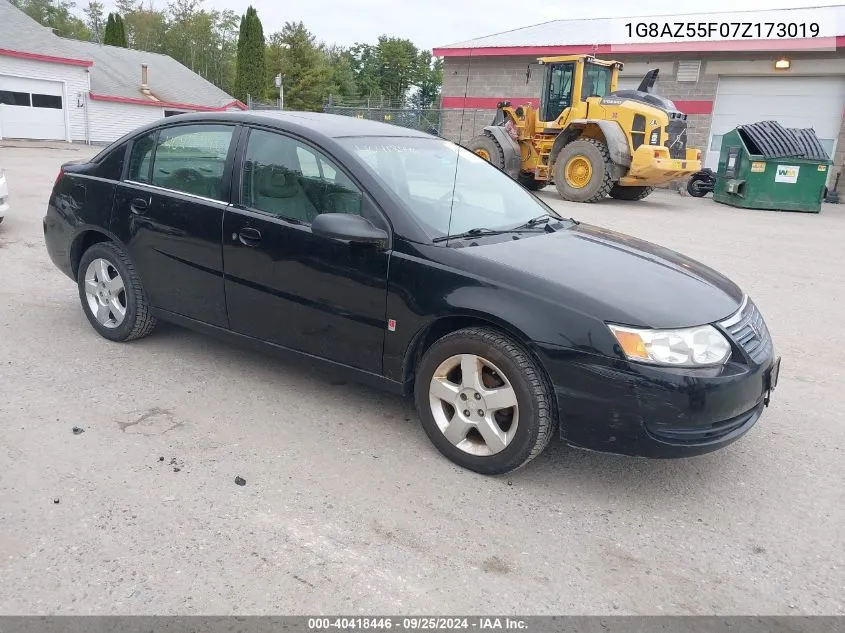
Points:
[(413, 264)]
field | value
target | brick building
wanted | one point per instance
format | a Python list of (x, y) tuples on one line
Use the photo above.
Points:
[(718, 83)]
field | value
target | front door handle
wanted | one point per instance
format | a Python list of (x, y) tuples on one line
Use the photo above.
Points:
[(249, 236), (138, 206)]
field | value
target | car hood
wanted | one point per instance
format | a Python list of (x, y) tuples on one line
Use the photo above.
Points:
[(616, 277)]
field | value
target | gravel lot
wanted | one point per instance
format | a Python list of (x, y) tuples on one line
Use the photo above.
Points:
[(348, 508)]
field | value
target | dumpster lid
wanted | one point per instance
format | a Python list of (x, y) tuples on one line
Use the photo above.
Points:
[(809, 142), (771, 140)]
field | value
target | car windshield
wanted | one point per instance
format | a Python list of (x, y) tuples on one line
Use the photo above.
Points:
[(449, 189)]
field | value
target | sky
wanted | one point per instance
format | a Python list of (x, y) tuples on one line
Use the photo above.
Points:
[(431, 23)]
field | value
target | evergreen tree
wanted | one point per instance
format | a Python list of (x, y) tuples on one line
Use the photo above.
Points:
[(120, 29), (250, 64)]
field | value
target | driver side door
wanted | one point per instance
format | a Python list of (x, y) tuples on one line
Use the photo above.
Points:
[(557, 91)]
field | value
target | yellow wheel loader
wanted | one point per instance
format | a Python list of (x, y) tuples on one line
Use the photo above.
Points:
[(587, 138)]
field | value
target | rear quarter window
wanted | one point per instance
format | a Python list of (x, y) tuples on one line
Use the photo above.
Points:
[(111, 166)]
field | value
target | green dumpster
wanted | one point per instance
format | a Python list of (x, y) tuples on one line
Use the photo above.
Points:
[(767, 166)]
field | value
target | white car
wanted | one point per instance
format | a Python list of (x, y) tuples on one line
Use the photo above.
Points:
[(4, 195)]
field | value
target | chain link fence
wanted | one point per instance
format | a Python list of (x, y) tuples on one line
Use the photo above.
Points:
[(426, 120)]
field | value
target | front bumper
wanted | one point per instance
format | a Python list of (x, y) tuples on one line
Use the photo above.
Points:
[(652, 165), (616, 406)]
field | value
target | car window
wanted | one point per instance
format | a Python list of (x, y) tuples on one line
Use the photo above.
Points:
[(111, 167), (447, 188), (292, 180), (192, 159), (140, 160)]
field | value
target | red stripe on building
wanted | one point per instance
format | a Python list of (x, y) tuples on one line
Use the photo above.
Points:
[(47, 58), (694, 107), (169, 104), (818, 43), (490, 103)]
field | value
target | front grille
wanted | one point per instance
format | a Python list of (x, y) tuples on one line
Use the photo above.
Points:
[(748, 330), (677, 143), (678, 433)]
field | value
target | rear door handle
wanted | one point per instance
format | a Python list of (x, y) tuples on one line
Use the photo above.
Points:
[(139, 206), (249, 236)]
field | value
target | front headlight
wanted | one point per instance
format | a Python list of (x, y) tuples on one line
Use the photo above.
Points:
[(690, 347)]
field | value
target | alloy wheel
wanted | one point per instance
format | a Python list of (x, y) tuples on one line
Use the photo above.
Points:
[(105, 292), (474, 404)]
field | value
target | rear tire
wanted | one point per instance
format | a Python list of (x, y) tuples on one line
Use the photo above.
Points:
[(529, 182), (694, 187), (488, 148), (111, 294), (582, 171), (630, 193), (483, 400)]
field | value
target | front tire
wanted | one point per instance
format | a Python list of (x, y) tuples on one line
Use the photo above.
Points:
[(630, 193), (484, 401), (111, 294), (488, 148), (582, 171)]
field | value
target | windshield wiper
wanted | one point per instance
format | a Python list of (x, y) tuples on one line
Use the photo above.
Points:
[(481, 231)]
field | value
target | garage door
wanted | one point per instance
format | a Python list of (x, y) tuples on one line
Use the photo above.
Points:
[(31, 108), (816, 102)]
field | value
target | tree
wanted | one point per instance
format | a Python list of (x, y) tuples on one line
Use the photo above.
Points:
[(295, 54), (120, 29), (250, 64), (94, 19), (428, 80), (115, 34), (397, 66), (57, 15), (342, 81)]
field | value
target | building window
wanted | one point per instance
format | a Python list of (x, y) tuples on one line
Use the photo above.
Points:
[(47, 101), (8, 97)]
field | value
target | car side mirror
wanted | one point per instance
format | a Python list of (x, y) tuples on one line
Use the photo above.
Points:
[(352, 228)]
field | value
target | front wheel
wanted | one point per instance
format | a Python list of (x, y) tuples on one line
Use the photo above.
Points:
[(484, 401), (111, 294), (488, 148), (582, 171)]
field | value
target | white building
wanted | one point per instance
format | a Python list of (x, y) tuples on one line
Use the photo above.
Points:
[(57, 89)]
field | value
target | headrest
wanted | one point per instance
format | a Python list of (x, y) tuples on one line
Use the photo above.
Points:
[(273, 181)]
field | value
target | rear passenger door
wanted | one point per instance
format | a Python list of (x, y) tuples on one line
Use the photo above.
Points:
[(169, 213), (288, 286)]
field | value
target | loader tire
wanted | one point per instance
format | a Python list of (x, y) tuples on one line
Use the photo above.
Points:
[(582, 171), (529, 182), (488, 148), (630, 193)]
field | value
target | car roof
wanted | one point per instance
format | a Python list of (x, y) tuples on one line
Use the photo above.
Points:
[(328, 125)]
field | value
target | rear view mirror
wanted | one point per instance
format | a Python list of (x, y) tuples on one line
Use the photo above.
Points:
[(352, 228)]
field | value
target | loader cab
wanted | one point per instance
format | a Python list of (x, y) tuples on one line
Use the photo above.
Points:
[(558, 84), (569, 80)]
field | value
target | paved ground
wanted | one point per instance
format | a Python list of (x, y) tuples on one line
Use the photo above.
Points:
[(347, 507)]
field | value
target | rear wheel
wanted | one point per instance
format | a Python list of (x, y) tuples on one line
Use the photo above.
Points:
[(487, 148), (529, 182), (483, 401), (630, 193), (696, 187), (583, 171), (111, 294)]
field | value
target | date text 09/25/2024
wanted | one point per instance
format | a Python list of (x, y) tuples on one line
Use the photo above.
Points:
[(477, 623)]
